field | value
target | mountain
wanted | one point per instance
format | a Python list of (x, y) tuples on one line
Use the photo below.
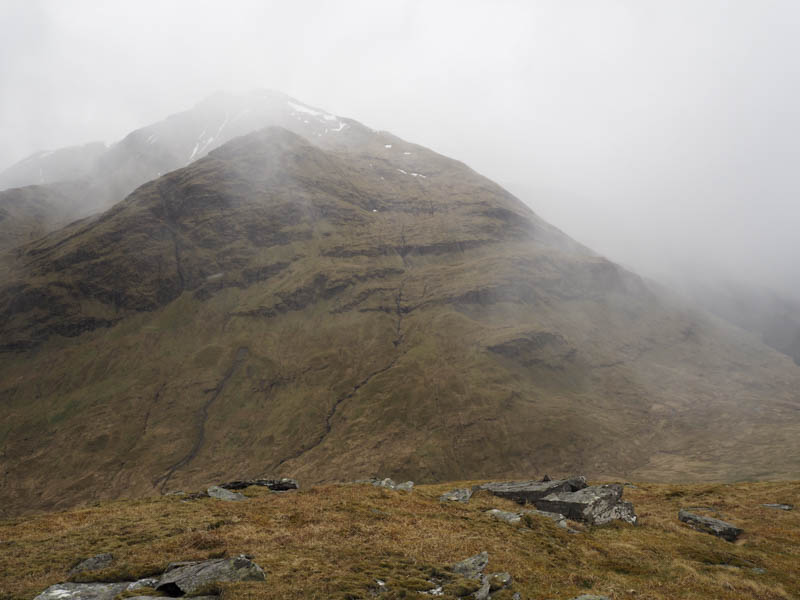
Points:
[(341, 304)]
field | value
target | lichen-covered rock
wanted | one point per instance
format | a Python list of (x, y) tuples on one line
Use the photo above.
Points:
[(95, 563), (222, 494), (595, 505), (185, 578), (779, 506), (716, 527), (528, 492), (83, 591)]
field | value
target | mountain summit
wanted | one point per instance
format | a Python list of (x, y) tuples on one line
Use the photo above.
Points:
[(310, 297)]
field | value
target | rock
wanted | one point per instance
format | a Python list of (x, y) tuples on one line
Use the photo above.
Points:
[(515, 518), (590, 597), (779, 506), (483, 591), (528, 492), (504, 515), (708, 525), (149, 582), (83, 591), (222, 494), (558, 518), (276, 485), (95, 563), (185, 578), (389, 484), (456, 495), (499, 581), (595, 505), (472, 567), (546, 478)]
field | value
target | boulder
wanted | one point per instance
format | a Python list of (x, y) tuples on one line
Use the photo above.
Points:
[(457, 495), (222, 494), (716, 527), (528, 492), (276, 485), (779, 506), (185, 578), (595, 505), (83, 591), (472, 567), (95, 563)]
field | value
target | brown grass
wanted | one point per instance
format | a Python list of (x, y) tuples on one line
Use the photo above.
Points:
[(335, 541)]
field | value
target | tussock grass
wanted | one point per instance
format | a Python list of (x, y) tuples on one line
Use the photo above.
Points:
[(337, 541)]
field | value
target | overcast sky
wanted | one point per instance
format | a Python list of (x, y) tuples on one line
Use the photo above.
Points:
[(662, 134)]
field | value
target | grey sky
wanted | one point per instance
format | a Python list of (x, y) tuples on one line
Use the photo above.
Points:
[(662, 134)]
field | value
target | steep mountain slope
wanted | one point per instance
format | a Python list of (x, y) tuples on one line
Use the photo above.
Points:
[(348, 309)]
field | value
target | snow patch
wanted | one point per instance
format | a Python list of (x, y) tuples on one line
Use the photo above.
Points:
[(387, 145), (407, 153), (419, 175), (403, 172)]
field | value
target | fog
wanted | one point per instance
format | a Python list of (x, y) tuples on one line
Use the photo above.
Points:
[(664, 135)]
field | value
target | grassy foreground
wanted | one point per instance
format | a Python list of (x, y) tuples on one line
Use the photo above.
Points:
[(335, 541)]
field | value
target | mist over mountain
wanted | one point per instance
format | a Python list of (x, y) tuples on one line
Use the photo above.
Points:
[(290, 292)]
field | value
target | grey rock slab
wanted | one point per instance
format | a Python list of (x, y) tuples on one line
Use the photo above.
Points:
[(83, 591), (528, 492), (389, 484), (276, 485), (187, 578), (456, 495), (95, 563), (406, 486), (779, 506), (595, 505), (472, 567), (222, 494), (716, 527)]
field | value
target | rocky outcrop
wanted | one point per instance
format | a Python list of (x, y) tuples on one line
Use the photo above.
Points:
[(95, 563), (716, 527), (595, 505), (187, 577), (472, 567), (220, 493), (276, 485), (457, 495), (528, 492)]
